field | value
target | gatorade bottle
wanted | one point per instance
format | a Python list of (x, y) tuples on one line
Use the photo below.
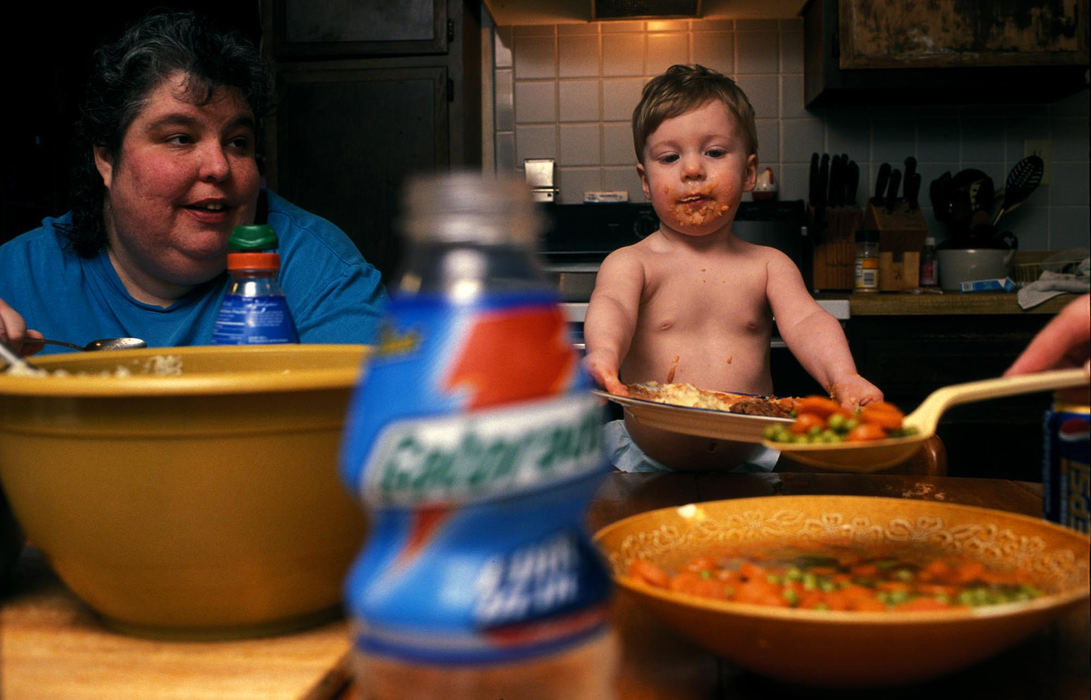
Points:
[(254, 310), (474, 444)]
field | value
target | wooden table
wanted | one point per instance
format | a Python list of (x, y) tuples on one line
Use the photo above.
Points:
[(52, 646)]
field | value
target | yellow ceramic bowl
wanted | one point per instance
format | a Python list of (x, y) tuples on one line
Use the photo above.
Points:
[(843, 649), (205, 504)]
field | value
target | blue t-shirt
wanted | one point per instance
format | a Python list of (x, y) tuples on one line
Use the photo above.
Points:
[(335, 296)]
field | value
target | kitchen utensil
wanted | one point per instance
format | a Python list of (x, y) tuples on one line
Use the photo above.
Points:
[(971, 196), (912, 191), (911, 185), (812, 181), (835, 184), (844, 649), (880, 184), (13, 360), (100, 344), (878, 454), (939, 192), (823, 187), (910, 168), (852, 183), (1022, 180), (892, 191), (204, 504)]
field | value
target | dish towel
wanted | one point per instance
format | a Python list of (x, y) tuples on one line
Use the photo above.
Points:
[(1050, 284)]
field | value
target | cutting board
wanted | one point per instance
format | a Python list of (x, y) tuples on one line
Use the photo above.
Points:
[(53, 646)]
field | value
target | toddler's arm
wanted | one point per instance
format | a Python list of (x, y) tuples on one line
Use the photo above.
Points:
[(611, 318), (815, 337)]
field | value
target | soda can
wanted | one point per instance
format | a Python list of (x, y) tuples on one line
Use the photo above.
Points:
[(1066, 474)]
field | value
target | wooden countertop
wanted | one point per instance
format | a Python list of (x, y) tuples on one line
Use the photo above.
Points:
[(945, 303), (52, 646)]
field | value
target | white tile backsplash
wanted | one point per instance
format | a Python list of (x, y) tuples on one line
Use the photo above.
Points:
[(535, 101), (534, 56), (619, 98), (623, 54), (579, 100), (581, 144), (579, 56), (666, 49), (715, 50), (757, 52), (617, 144), (568, 92)]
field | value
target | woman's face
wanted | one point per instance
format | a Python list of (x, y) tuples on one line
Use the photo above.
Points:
[(695, 169), (185, 176)]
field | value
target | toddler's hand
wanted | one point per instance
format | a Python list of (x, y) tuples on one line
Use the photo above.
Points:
[(855, 391), (604, 372)]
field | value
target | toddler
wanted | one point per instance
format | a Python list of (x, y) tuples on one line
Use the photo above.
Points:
[(692, 302)]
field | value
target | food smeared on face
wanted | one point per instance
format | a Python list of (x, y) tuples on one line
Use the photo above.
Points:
[(698, 208)]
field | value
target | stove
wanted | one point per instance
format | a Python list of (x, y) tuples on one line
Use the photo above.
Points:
[(579, 236)]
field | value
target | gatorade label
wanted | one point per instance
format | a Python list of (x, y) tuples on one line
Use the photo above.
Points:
[(476, 446)]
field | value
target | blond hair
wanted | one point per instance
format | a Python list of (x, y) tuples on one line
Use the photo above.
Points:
[(682, 89)]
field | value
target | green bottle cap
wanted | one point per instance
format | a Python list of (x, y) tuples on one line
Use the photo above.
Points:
[(255, 237)]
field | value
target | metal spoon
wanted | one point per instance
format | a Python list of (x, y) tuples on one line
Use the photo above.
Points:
[(100, 344), (12, 358), (878, 454)]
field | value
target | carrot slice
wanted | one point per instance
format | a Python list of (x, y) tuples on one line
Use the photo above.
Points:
[(883, 414), (649, 573), (866, 432), (805, 421), (818, 405)]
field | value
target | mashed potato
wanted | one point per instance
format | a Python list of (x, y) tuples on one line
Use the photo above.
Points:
[(157, 365)]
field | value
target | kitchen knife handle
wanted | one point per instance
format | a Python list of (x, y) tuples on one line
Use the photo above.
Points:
[(852, 184), (880, 183), (892, 192), (812, 183)]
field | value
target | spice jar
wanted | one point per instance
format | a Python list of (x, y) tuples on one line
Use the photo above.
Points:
[(928, 276), (867, 260)]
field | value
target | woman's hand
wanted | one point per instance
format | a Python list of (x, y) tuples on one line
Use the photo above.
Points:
[(13, 331), (1064, 342)]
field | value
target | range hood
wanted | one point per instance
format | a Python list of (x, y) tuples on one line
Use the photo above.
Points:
[(644, 9), (542, 12)]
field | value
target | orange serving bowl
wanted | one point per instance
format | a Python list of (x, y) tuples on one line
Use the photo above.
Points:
[(205, 504), (847, 649)]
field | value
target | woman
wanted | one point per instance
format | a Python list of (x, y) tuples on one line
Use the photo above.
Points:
[(168, 143)]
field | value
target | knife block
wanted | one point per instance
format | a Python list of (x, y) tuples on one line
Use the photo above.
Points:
[(834, 263), (902, 231)]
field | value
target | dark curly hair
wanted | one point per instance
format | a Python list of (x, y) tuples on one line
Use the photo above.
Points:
[(122, 75)]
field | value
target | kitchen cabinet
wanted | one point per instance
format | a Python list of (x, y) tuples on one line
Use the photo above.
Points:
[(306, 28), (360, 110), (908, 357), (859, 52)]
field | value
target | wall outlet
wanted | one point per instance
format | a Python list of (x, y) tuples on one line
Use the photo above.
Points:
[(1044, 150)]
